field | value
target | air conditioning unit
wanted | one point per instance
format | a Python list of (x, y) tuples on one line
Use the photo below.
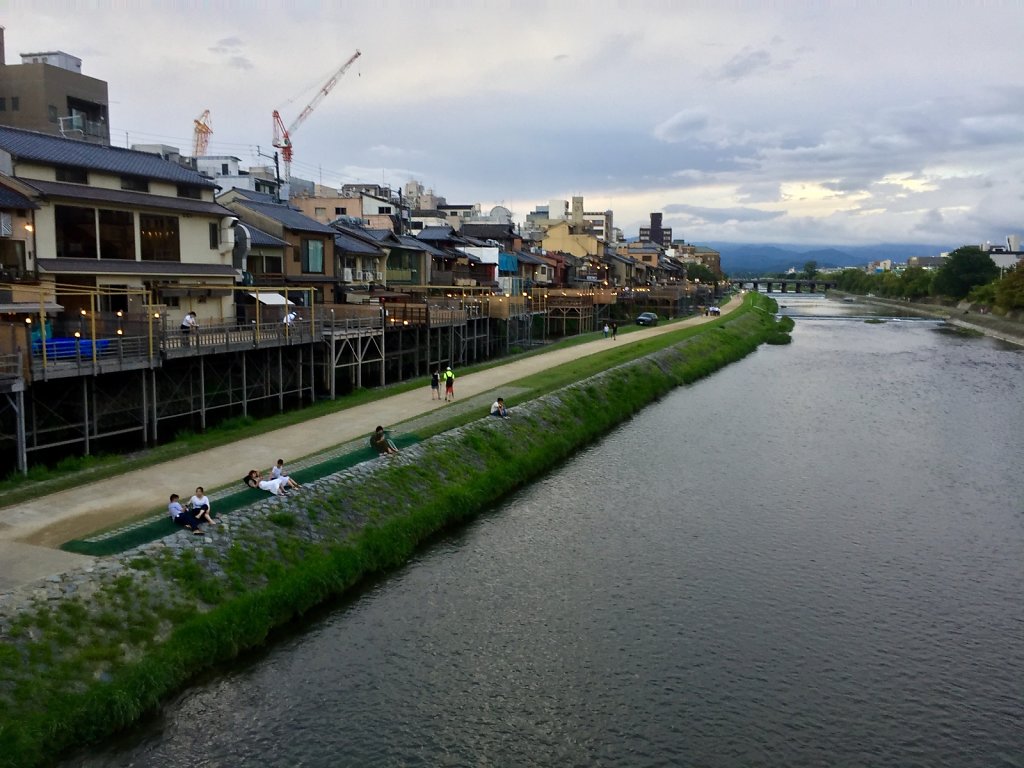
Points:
[(346, 275), (380, 277), (367, 276), (6, 227)]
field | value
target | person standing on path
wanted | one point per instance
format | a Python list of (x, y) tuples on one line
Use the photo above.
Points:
[(188, 325), (615, 331), (435, 385), (449, 384), (606, 330)]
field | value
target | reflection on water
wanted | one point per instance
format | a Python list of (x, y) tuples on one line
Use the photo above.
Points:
[(811, 558)]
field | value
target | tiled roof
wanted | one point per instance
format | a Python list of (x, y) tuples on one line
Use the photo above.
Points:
[(437, 233), (485, 231), (263, 239), (123, 197), (256, 197), (288, 217), (11, 199), (353, 244), (67, 266), (54, 150), (529, 258)]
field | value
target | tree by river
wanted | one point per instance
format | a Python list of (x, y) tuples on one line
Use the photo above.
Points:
[(965, 268)]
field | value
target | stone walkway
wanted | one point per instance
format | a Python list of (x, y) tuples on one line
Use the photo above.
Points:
[(31, 532)]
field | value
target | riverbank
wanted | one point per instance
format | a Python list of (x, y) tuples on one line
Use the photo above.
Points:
[(963, 315), (87, 655)]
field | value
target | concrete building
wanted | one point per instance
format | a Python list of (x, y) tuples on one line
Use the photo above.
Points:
[(656, 233), (48, 93)]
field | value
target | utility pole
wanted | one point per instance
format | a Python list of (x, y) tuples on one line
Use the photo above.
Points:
[(277, 172)]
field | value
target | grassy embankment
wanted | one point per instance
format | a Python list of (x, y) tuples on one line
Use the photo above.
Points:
[(76, 672)]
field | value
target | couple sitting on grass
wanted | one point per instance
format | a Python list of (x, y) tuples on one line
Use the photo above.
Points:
[(278, 484), (197, 512)]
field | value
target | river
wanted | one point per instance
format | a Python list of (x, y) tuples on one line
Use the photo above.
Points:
[(814, 557)]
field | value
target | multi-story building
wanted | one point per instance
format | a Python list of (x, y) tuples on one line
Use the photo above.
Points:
[(656, 233), (229, 174), (111, 218), (48, 93)]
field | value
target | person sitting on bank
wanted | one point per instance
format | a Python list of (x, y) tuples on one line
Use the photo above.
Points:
[(381, 443), (277, 470), (498, 408), (181, 516), (199, 506)]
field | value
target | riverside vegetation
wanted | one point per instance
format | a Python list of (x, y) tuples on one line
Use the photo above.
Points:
[(78, 665)]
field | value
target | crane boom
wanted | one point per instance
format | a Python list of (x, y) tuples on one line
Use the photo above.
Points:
[(202, 129), (283, 135)]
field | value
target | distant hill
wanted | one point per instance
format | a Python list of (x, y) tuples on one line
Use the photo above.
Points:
[(745, 259)]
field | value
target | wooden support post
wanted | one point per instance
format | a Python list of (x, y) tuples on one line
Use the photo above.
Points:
[(202, 392)]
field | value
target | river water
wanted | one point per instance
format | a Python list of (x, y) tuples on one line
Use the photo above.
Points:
[(814, 557)]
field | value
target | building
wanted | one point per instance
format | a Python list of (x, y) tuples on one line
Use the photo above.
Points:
[(48, 93), (656, 233), (117, 219), (226, 170)]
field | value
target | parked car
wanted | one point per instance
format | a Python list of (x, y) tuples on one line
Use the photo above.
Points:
[(647, 318)]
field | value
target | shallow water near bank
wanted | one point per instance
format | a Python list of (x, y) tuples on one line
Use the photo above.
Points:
[(811, 557)]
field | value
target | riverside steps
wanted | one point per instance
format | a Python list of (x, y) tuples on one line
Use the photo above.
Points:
[(89, 649)]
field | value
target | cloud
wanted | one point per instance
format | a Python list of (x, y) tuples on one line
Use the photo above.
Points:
[(743, 64), (712, 215), (683, 125), (227, 45), (240, 62)]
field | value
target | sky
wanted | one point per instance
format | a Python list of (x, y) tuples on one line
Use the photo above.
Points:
[(810, 122)]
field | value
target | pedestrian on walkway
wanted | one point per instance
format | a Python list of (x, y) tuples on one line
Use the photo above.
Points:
[(449, 384), (615, 331), (435, 385), (607, 330)]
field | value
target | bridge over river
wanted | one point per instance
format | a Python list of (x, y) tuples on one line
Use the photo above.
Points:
[(784, 284)]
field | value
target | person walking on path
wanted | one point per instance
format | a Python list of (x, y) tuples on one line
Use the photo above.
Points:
[(435, 385), (615, 331), (607, 330), (449, 384)]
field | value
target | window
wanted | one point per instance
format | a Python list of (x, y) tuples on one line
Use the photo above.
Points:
[(75, 232), (214, 235), (51, 113), (189, 191), (134, 184), (223, 169), (72, 174), (340, 211), (319, 211), (15, 104), (263, 264), (3, 104), (117, 235), (384, 209), (159, 235), (313, 256)]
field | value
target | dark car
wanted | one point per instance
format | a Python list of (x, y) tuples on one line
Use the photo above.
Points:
[(647, 318)]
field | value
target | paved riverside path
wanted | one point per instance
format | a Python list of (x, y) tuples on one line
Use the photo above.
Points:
[(30, 532)]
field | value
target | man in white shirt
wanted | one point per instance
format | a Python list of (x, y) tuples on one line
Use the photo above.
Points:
[(498, 408)]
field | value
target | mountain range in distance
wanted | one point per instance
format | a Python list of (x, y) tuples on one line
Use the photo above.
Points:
[(740, 259)]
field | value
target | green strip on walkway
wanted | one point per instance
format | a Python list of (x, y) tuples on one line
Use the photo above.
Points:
[(156, 528)]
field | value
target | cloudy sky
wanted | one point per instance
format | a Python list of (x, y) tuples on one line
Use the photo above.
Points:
[(787, 121)]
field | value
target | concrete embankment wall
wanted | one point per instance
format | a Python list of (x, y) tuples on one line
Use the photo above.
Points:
[(87, 653)]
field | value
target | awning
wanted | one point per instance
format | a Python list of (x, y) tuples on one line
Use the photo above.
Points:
[(272, 299)]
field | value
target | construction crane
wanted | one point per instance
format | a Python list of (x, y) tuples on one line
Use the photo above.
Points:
[(283, 136), (201, 134)]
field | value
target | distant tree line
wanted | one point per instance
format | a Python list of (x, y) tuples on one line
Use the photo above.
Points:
[(968, 273)]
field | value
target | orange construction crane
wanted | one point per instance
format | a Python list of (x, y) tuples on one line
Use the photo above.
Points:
[(283, 136), (201, 135)]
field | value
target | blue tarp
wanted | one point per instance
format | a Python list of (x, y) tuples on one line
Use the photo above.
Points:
[(64, 348), (508, 262)]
